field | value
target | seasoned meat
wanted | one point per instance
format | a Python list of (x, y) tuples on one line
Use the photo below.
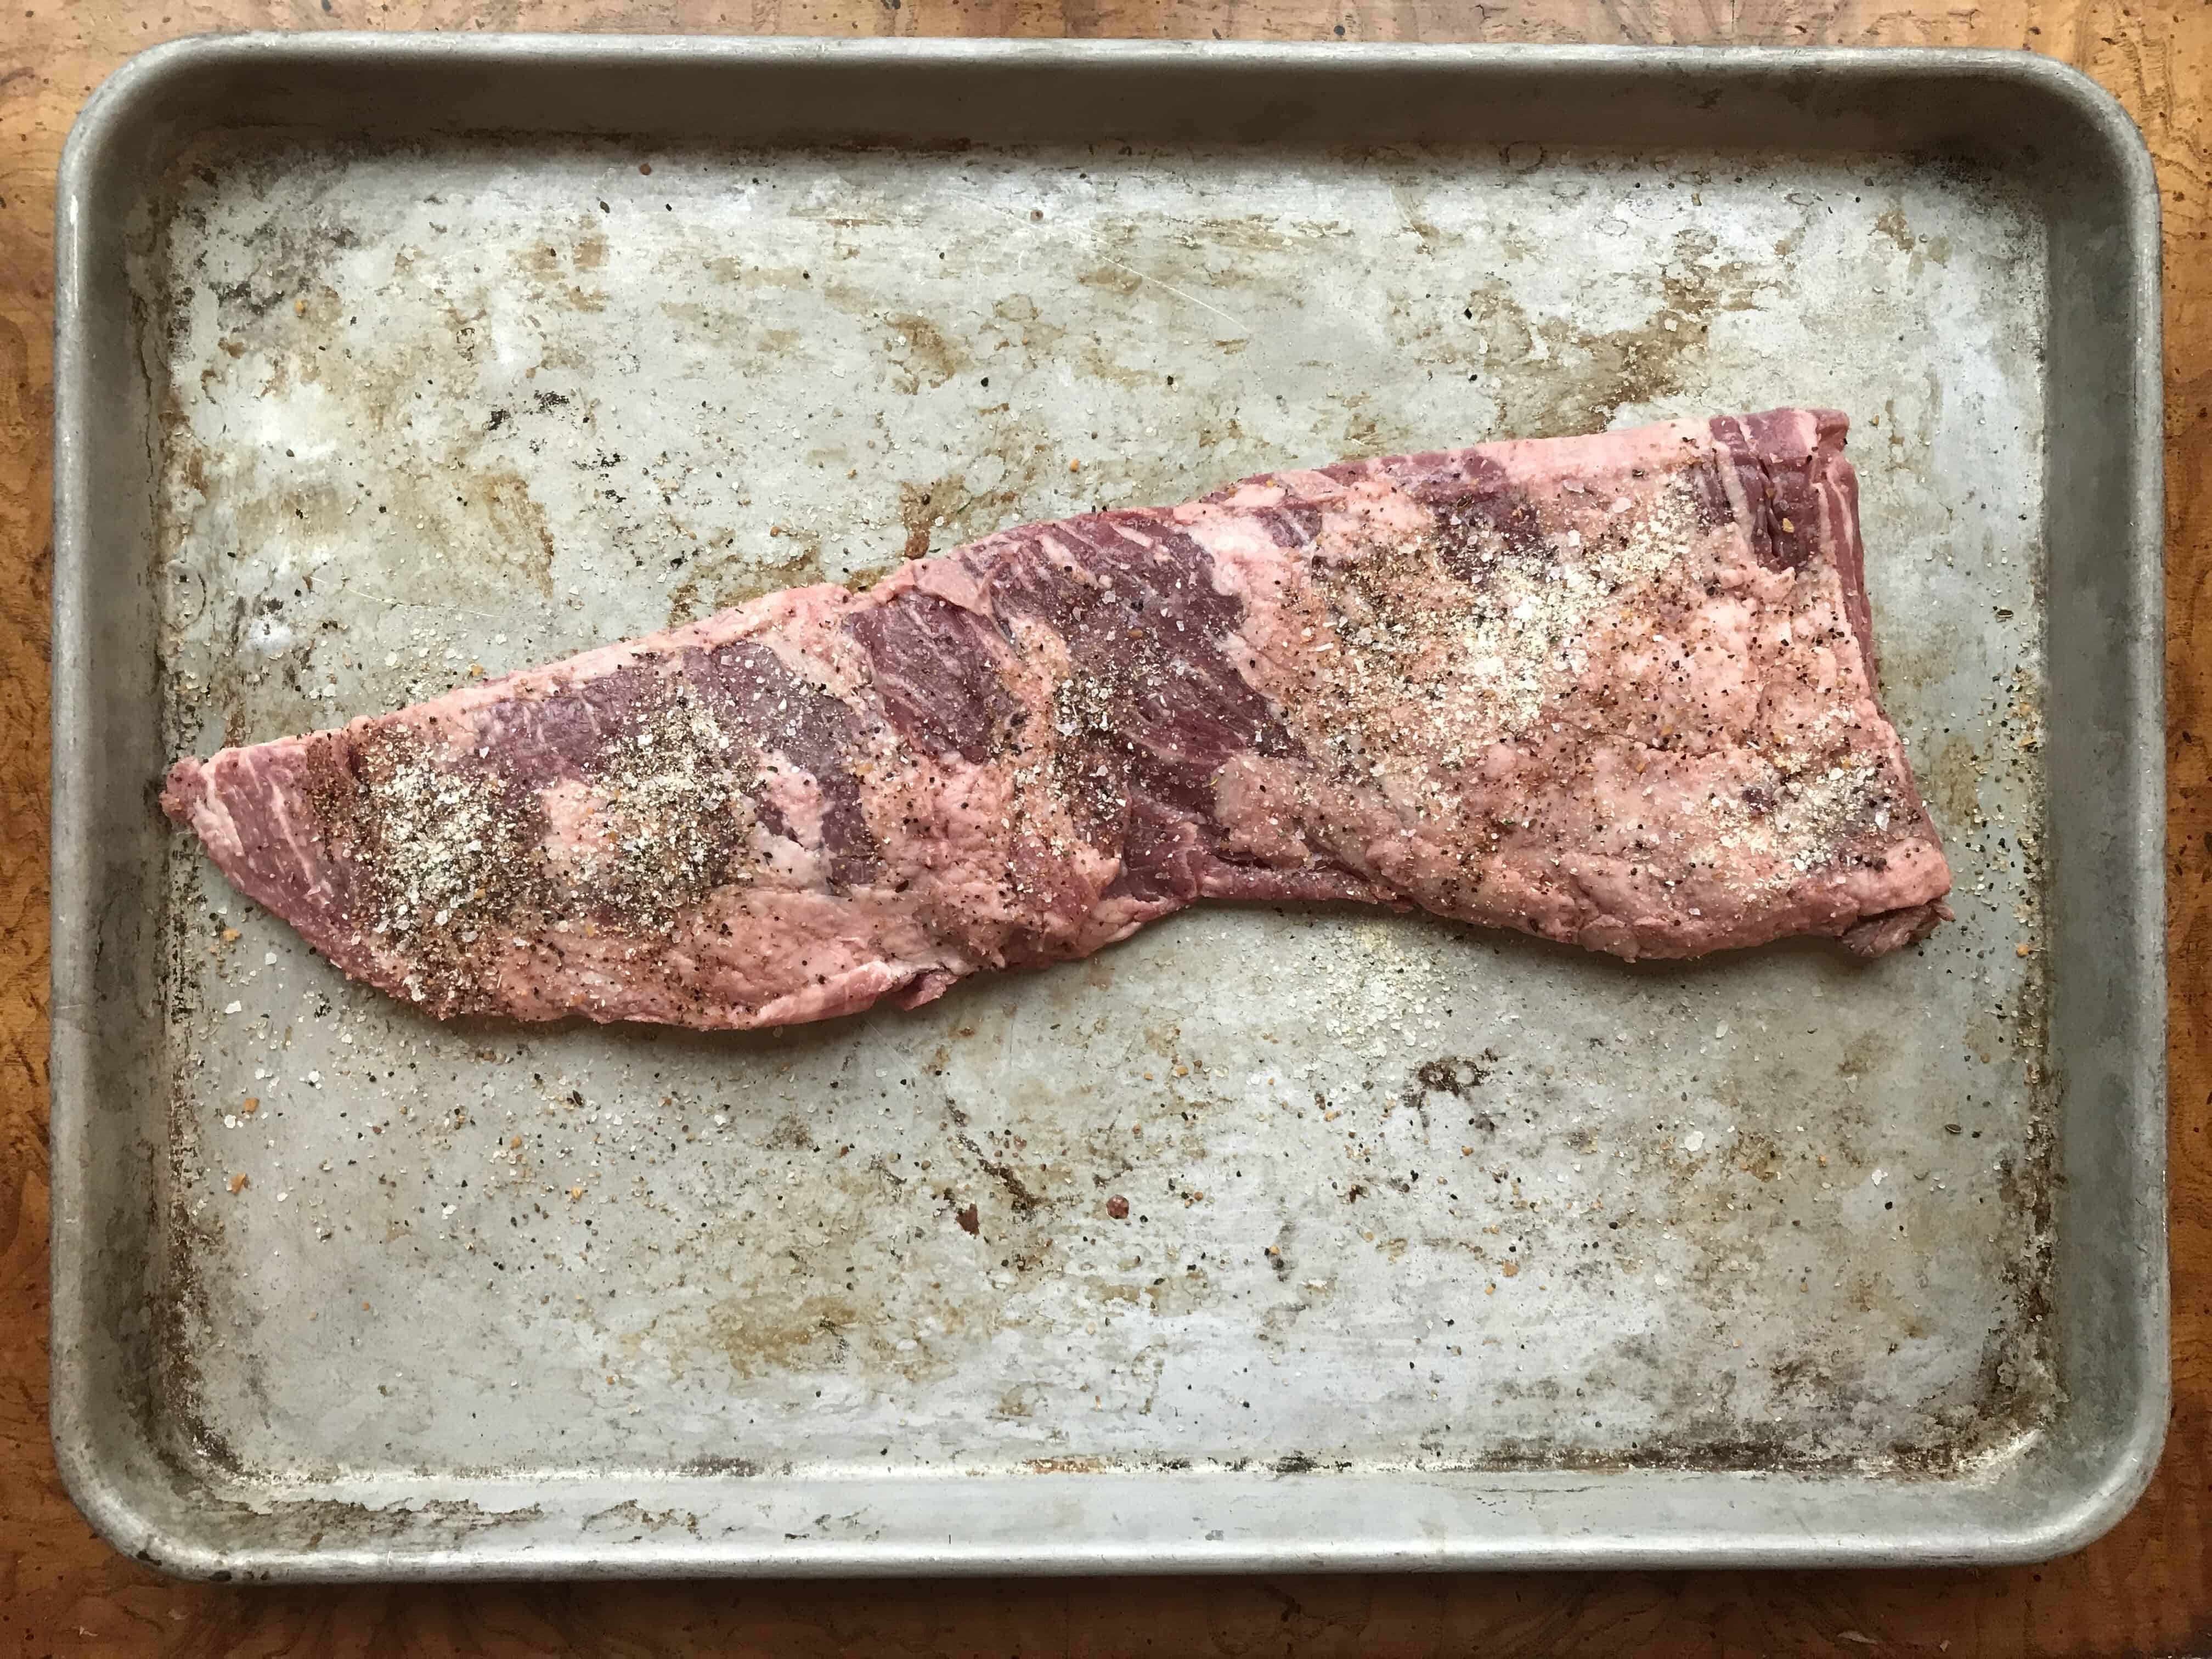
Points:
[(1615, 690)]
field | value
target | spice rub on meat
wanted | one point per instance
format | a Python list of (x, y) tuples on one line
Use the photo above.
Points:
[(1615, 690)]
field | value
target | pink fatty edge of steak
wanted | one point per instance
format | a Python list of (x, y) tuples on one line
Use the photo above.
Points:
[(1754, 438)]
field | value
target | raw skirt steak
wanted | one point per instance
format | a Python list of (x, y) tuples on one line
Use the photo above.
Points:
[(1616, 690)]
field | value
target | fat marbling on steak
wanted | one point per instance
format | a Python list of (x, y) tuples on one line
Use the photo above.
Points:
[(1615, 690)]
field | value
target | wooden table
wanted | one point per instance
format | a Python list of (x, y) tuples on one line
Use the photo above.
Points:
[(2145, 1590)]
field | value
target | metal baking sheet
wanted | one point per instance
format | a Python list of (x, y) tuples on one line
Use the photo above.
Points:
[(1276, 1235)]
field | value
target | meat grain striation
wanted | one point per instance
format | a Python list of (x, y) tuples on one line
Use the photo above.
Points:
[(1617, 691)]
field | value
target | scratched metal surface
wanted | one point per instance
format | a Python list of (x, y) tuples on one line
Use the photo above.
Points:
[(1401, 1198)]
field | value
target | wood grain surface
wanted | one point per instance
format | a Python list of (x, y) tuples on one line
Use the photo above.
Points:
[(2145, 1590)]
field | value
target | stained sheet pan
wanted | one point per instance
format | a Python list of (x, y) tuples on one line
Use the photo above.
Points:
[(1275, 1237)]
